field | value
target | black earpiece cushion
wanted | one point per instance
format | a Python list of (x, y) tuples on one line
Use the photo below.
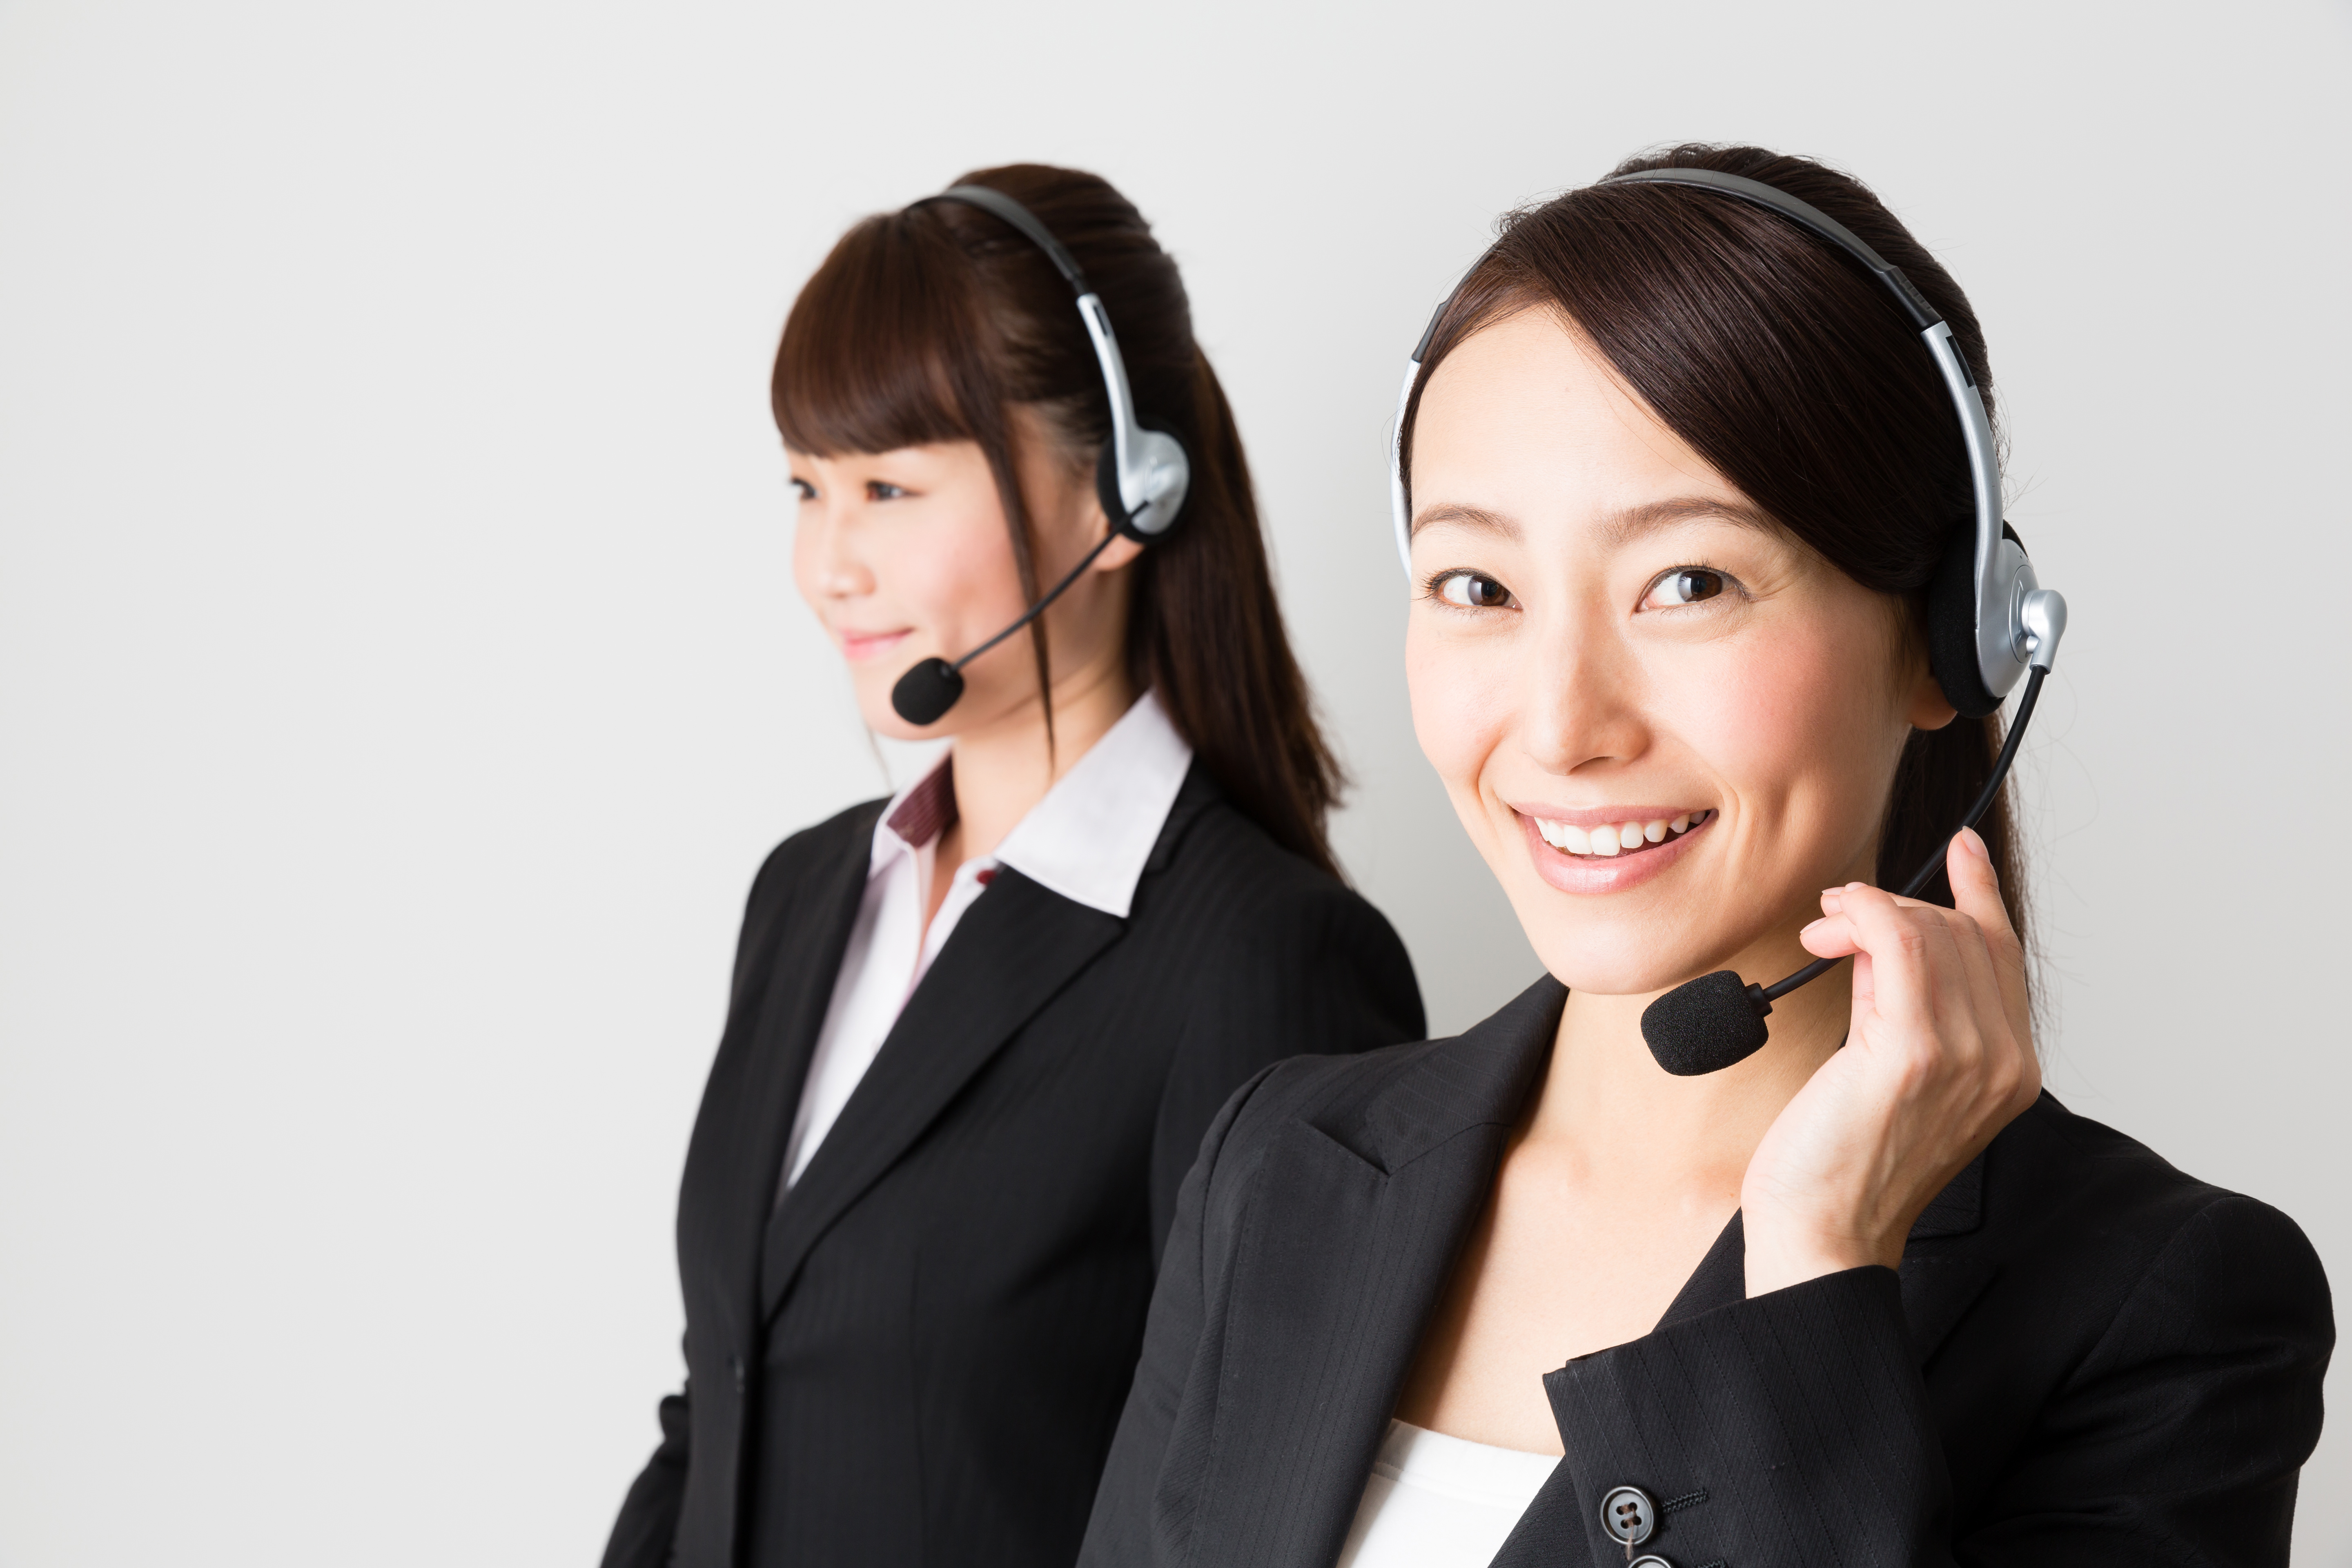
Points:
[(1952, 626), (1106, 490)]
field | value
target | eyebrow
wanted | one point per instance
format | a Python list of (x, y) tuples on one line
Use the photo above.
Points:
[(1617, 531)]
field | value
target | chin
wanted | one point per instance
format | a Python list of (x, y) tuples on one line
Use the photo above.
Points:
[(874, 711), (1579, 968), (1610, 956)]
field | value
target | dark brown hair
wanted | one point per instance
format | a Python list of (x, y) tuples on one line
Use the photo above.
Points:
[(927, 324), (1794, 374)]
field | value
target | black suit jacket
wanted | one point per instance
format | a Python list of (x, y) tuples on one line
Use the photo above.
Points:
[(2086, 1357), (920, 1356)]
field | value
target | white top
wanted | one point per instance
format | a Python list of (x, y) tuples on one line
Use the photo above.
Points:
[(1435, 1502), (1086, 840)]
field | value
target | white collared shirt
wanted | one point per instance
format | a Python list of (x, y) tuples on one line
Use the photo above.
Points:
[(1086, 840)]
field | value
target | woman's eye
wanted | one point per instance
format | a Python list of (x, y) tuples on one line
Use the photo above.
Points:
[(803, 489), (1684, 585), (1473, 591), (883, 489)]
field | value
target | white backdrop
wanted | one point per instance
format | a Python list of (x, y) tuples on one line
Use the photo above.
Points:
[(400, 677)]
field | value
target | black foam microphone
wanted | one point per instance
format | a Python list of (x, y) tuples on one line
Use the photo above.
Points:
[(925, 693), (1708, 1024)]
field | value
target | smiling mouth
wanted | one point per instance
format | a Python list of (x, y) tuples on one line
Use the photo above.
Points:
[(1612, 839), (862, 645)]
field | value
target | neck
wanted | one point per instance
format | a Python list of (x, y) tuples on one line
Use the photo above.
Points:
[(1606, 1099), (1003, 766)]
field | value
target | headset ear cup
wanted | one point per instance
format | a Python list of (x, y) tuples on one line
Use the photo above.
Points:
[(1952, 628), (1107, 484)]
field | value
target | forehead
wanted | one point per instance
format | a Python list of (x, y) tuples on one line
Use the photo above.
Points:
[(1526, 418)]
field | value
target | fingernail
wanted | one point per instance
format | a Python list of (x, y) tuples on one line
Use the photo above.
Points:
[(1833, 902), (1810, 929), (1975, 845)]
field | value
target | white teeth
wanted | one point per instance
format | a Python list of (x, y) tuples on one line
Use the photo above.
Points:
[(1564, 835), (1611, 838)]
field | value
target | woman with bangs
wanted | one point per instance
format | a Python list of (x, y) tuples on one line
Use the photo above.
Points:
[(978, 1030), (1676, 480)]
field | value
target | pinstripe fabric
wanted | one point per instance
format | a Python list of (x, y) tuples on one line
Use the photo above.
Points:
[(2085, 1358), (936, 1329)]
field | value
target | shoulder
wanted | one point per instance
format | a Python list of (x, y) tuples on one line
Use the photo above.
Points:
[(1215, 861), (2052, 1161), (2115, 1220), (848, 831)]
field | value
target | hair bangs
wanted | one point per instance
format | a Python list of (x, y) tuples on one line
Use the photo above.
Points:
[(886, 347)]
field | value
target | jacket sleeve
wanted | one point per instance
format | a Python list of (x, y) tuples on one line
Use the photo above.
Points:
[(1121, 1530), (647, 1526), (1320, 973), (1795, 1426), (648, 1522)]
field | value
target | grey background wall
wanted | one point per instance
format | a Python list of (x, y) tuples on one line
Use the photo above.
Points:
[(400, 677)]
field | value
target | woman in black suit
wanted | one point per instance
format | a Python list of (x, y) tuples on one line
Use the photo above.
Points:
[(978, 1030), (1680, 476)]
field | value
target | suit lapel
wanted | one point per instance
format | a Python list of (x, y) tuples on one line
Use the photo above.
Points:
[(1370, 1201), (1012, 951), (1941, 1286), (798, 962)]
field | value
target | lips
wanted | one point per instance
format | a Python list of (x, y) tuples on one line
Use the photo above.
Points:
[(867, 644)]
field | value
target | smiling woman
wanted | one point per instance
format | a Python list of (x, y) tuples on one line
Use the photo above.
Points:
[(1676, 480), (978, 1029)]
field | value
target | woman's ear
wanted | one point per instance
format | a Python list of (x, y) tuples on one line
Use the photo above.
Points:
[(1120, 551), (1928, 708)]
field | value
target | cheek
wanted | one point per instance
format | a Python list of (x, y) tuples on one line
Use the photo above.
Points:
[(808, 563), (953, 572), (947, 573), (1793, 732), (1461, 703)]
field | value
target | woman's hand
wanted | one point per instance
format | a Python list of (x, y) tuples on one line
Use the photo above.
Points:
[(1938, 1058)]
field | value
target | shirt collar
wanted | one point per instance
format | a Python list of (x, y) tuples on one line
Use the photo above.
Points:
[(1090, 837)]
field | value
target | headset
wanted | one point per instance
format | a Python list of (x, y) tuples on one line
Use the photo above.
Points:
[(1141, 478), (1989, 621)]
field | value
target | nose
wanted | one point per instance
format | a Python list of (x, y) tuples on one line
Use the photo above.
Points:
[(1582, 694), (832, 565)]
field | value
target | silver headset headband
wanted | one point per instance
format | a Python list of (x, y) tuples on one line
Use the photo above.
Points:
[(2003, 576), (1152, 472)]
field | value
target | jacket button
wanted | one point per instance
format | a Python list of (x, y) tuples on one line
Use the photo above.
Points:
[(1629, 1516), (735, 1369), (1649, 1560)]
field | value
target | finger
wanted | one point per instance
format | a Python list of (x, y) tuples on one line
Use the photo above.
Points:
[(1912, 956), (1980, 983), (1831, 936), (1976, 892), (2002, 1048), (1976, 885)]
